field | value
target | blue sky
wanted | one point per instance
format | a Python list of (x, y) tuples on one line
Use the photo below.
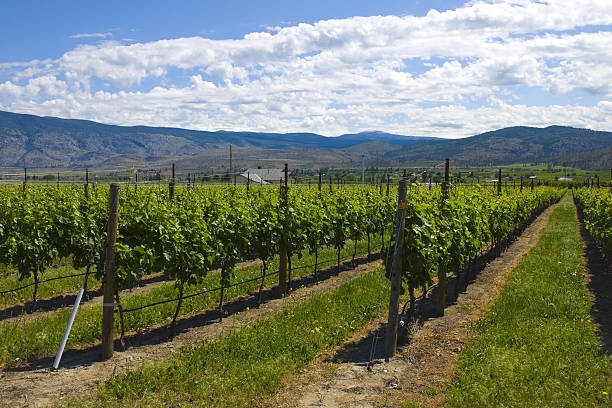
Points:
[(44, 28), (436, 68)]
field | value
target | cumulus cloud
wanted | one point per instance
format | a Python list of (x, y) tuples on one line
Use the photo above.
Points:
[(451, 73)]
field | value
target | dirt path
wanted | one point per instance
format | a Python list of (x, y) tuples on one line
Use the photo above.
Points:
[(422, 369), (80, 372)]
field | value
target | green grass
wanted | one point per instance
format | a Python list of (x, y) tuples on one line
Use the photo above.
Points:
[(251, 362), (537, 346), (10, 280), (23, 340)]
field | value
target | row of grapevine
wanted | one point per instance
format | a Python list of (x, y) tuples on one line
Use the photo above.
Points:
[(442, 233), (217, 227), (200, 230), (595, 206)]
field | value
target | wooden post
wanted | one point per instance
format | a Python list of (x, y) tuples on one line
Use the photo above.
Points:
[(58, 179), (282, 266), (108, 304), (499, 185), (442, 270), (25, 178), (330, 184), (171, 185), (532, 185), (521, 184), (248, 182), (597, 181), (396, 274), (136, 183), (320, 180), (86, 184)]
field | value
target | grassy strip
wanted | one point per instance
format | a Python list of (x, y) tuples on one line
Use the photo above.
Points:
[(537, 346), (252, 361), (23, 340), (46, 289)]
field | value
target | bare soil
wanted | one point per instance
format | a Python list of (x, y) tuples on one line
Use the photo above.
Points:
[(424, 366), (81, 372)]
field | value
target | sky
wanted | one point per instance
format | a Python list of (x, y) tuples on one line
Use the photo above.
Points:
[(427, 68)]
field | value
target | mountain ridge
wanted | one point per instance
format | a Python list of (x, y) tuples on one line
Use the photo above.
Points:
[(35, 141)]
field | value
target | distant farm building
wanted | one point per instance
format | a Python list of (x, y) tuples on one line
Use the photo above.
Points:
[(264, 176)]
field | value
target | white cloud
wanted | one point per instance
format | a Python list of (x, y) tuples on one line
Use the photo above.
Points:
[(452, 74), (91, 35)]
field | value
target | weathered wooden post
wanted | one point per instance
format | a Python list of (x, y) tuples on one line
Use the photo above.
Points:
[(442, 270), (396, 274), (319, 181), (25, 178), (499, 182), (282, 265), (108, 305), (521, 184)]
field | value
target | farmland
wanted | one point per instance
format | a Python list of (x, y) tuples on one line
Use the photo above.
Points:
[(183, 254)]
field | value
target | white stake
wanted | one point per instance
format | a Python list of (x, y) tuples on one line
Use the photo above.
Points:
[(58, 357)]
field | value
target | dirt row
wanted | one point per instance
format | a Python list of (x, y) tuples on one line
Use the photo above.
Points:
[(422, 369), (80, 372)]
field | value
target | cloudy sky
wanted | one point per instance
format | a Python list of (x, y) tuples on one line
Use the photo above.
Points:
[(433, 68)]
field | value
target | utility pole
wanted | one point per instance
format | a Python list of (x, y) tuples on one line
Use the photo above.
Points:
[(229, 182), (362, 170)]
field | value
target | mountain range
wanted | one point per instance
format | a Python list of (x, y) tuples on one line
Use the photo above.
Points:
[(48, 142)]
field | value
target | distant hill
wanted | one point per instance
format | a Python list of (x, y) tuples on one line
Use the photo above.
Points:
[(598, 159), (508, 145), (34, 141)]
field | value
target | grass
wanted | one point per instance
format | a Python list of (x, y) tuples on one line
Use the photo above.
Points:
[(30, 338), (250, 362), (537, 346), (10, 280)]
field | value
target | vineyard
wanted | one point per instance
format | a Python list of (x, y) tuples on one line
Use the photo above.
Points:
[(196, 243)]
